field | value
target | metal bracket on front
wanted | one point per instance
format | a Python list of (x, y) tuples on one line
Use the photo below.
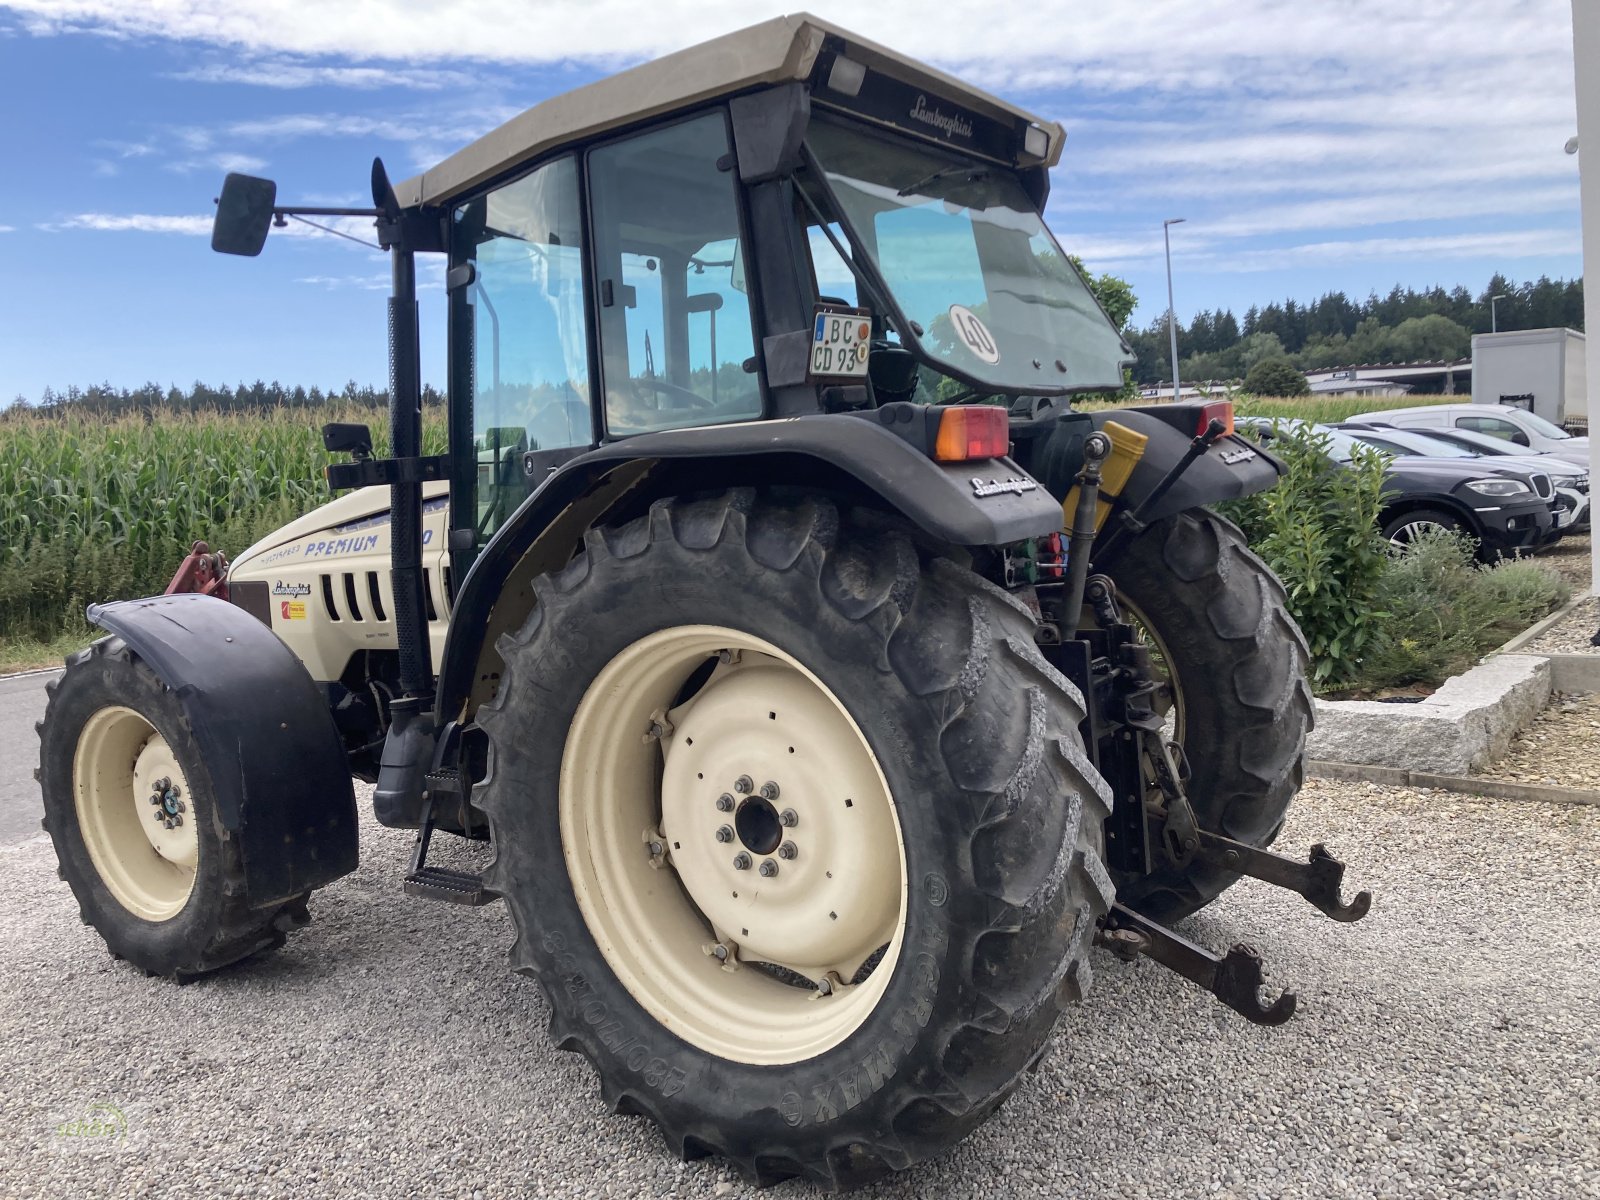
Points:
[(1234, 979), (1317, 880)]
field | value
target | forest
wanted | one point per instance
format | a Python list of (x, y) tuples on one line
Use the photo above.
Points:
[(1406, 325)]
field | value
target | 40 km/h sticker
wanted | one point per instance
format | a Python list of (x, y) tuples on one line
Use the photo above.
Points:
[(974, 334), (840, 342)]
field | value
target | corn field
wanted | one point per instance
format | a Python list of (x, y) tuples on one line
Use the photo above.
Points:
[(98, 509)]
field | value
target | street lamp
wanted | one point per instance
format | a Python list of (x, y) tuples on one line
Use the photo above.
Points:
[(1172, 315), (1494, 319)]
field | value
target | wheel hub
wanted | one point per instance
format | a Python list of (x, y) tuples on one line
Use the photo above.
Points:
[(781, 869), (135, 813), (802, 885)]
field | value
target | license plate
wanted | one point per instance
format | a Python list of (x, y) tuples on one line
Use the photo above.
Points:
[(839, 343)]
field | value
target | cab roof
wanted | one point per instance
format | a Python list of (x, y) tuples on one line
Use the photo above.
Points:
[(780, 50)]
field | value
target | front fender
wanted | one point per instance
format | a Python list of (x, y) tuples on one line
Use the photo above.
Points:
[(825, 450), (278, 768)]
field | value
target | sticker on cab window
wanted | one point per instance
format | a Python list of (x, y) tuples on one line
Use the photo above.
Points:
[(974, 334)]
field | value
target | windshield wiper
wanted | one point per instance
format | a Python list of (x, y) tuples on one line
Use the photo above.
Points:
[(973, 174)]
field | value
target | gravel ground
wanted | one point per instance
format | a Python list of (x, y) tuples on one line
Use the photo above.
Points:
[(1572, 634), (1446, 1045), (1562, 746), (1570, 556)]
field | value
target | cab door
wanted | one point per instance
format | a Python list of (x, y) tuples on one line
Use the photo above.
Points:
[(519, 348)]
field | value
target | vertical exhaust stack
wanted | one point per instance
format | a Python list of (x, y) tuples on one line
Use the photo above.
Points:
[(408, 748)]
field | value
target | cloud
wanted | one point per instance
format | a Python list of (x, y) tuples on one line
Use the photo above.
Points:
[(336, 283), (8, 228), (290, 73), (130, 222), (243, 163), (360, 228), (1528, 243)]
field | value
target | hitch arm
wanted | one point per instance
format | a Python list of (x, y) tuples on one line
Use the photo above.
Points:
[(1234, 979), (1317, 880)]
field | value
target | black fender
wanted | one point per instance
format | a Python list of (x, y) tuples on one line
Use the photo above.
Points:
[(1232, 467), (842, 451), (275, 758)]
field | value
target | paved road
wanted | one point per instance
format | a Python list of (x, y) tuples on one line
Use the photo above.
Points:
[(21, 704)]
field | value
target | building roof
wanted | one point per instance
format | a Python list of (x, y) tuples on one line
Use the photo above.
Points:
[(775, 51)]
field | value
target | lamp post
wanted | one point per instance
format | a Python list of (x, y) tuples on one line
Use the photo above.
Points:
[(1494, 318), (1172, 314)]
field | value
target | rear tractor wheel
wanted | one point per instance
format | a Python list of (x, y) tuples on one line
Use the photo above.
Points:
[(796, 833), (129, 804)]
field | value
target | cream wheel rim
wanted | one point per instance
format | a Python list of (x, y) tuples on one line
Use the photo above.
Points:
[(135, 813), (737, 856)]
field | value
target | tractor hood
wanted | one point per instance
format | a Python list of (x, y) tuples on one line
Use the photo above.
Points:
[(313, 535)]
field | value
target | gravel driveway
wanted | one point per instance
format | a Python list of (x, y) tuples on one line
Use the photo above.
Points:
[(1447, 1044)]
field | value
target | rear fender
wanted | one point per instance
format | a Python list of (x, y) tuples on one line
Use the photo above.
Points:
[(841, 452), (276, 762), (1232, 467)]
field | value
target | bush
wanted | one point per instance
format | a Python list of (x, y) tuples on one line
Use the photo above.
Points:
[(1318, 529), (1276, 377), (1442, 610)]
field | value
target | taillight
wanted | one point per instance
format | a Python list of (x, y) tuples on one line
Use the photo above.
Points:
[(1216, 410), (975, 431)]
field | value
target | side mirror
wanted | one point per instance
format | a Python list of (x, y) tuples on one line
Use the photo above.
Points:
[(339, 437), (244, 213)]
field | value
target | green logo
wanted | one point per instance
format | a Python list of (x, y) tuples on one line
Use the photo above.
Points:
[(98, 1122)]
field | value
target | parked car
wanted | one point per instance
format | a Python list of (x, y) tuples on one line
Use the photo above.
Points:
[(1498, 420), (1570, 486), (1501, 513)]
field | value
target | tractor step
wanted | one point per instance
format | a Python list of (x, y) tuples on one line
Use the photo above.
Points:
[(452, 887), (441, 883)]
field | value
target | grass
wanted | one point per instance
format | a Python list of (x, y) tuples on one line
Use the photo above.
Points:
[(98, 509), (1307, 408)]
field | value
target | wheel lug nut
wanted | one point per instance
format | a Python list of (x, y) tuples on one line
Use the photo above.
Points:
[(789, 817), (656, 849), (724, 803), (788, 850), (719, 952), (725, 834), (154, 798), (741, 861), (743, 785), (769, 790), (769, 868)]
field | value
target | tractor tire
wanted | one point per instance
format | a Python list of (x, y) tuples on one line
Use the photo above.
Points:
[(1219, 619), (117, 761), (796, 831)]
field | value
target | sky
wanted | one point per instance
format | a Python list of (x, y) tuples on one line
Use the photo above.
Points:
[(1308, 147)]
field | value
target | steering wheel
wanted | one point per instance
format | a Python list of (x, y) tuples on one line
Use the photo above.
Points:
[(691, 399)]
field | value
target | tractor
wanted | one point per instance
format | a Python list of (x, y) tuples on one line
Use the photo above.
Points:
[(828, 689)]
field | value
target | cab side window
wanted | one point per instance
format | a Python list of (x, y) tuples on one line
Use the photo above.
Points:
[(676, 342)]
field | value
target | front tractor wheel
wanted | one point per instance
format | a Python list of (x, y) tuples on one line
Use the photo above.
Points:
[(796, 832), (129, 804)]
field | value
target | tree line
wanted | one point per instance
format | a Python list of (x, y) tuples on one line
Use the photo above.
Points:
[(103, 399), (1406, 325)]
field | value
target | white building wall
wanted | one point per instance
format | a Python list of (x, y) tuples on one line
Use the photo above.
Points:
[(1577, 389), (1586, 61)]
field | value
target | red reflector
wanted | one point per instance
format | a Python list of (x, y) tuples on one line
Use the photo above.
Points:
[(976, 431), (1217, 410)]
